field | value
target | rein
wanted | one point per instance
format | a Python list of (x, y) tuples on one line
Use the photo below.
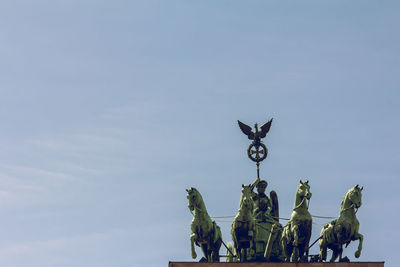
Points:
[(199, 209), (351, 206), (301, 203)]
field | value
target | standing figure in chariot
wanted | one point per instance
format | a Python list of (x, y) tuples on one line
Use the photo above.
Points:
[(262, 203), (266, 213)]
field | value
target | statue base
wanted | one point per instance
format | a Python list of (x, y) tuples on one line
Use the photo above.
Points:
[(276, 264)]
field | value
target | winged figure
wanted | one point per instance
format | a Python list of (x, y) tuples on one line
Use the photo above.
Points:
[(256, 135)]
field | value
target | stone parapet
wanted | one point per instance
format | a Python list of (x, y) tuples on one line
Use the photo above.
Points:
[(274, 264)]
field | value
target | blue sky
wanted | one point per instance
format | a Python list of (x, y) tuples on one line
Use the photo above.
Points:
[(109, 110)]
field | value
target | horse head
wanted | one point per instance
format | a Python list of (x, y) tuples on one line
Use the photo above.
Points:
[(302, 194), (194, 197), (246, 190), (355, 196), (303, 190), (352, 199), (246, 202)]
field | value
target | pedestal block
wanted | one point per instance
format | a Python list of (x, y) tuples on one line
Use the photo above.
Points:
[(274, 264)]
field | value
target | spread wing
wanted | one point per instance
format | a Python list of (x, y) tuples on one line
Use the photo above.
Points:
[(265, 128), (275, 204), (246, 130)]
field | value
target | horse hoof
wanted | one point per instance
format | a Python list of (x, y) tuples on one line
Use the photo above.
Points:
[(345, 259), (203, 260)]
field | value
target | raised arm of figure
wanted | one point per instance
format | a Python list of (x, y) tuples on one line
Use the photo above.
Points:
[(255, 183)]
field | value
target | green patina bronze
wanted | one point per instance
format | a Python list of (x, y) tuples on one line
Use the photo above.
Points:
[(244, 227), (266, 209), (256, 151), (252, 224), (205, 233), (344, 229), (266, 212), (297, 232), (263, 203), (256, 232)]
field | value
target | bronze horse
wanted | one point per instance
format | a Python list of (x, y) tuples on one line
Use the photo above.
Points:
[(344, 229), (296, 234), (205, 232), (243, 227)]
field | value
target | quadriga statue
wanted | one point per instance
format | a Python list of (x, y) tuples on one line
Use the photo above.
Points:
[(344, 229), (205, 233)]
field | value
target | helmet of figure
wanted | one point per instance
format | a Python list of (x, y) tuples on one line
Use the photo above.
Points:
[(262, 183)]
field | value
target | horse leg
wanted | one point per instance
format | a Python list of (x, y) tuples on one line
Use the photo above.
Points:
[(193, 237), (215, 255), (210, 254), (283, 245), (360, 237), (252, 247), (235, 244), (345, 259), (337, 249), (295, 252), (217, 242), (242, 254), (289, 251), (335, 252), (215, 250), (306, 251), (306, 247), (322, 250), (301, 253), (206, 252), (322, 254)]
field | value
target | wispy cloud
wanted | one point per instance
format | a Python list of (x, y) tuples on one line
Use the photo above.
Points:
[(21, 185), (62, 251)]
